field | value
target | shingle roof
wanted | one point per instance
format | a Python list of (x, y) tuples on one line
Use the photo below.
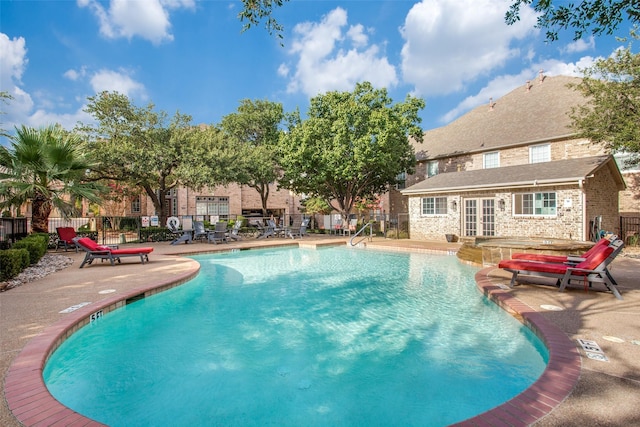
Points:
[(521, 116), (547, 173)]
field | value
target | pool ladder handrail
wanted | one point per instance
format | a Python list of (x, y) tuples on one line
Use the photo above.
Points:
[(370, 236)]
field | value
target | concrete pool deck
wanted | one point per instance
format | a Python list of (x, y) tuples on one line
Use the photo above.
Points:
[(576, 389)]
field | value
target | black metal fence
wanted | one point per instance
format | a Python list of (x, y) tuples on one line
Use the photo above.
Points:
[(117, 230), (630, 230), (12, 229)]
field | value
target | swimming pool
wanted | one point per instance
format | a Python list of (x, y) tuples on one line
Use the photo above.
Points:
[(301, 337)]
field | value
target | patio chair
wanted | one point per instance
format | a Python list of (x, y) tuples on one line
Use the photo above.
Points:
[(234, 233), (111, 253), (299, 231), (219, 234), (65, 238), (569, 259), (199, 231), (266, 231), (592, 270), (180, 235)]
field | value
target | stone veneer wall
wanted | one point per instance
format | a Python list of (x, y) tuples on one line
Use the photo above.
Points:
[(602, 200), (568, 224)]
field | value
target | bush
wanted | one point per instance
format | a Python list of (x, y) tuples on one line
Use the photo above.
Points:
[(12, 262), (156, 234), (36, 245)]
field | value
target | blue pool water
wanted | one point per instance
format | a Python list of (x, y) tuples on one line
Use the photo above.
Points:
[(301, 337)]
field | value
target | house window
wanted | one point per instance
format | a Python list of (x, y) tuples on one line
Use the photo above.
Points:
[(540, 153), (401, 181), (535, 204), (491, 160), (210, 205), (135, 205), (432, 168), (434, 206)]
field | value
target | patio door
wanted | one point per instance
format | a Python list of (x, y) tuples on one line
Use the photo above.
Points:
[(479, 217)]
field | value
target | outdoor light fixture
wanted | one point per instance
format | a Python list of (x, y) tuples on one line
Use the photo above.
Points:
[(501, 204), (454, 205)]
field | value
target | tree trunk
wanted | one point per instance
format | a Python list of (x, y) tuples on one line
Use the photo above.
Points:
[(40, 211)]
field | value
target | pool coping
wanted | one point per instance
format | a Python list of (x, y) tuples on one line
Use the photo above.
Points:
[(31, 403)]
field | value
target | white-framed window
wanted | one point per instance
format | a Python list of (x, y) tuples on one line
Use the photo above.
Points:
[(622, 159), (434, 206), (491, 160), (540, 153), (401, 181), (135, 204), (535, 204), (432, 168), (211, 205)]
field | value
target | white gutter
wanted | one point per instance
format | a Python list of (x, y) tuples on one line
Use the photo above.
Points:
[(500, 186)]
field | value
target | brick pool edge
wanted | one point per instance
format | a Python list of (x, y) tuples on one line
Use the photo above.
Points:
[(31, 403)]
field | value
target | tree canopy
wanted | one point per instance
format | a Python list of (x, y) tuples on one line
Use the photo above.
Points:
[(255, 130), (352, 146), (611, 115), (143, 149), (594, 16), (46, 167), (255, 11), (4, 98)]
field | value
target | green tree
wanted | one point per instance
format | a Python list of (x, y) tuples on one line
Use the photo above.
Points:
[(143, 149), (4, 97), (597, 16), (255, 11), (352, 146), (611, 115), (255, 130), (46, 167)]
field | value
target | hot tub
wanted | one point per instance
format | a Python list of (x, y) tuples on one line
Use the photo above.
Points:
[(489, 251)]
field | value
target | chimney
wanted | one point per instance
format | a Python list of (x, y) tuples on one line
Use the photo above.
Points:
[(541, 76), (528, 85), (491, 104)]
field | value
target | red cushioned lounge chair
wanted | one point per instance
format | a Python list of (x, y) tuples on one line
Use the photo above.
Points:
[(569, 259), (95, 251), (65, 238), (592, 270)]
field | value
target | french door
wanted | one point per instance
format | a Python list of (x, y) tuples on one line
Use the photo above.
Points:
[(479, 217)]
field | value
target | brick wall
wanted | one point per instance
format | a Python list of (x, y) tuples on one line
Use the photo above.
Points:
[(568, 224), (602, 200)]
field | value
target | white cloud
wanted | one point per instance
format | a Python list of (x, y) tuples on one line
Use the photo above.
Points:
[(579, 46), (328, 58), (13, 61), (35, 109), (451, 43), (148, 19), (75, 75), (501, 85), (117, 81)]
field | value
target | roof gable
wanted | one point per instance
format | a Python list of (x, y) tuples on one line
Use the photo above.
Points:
[(547, 173), (522, 116)]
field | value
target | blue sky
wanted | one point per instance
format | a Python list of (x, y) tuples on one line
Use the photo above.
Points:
[(191, 56)]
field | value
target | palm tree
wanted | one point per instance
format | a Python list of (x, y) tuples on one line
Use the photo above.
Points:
[(46, 167)]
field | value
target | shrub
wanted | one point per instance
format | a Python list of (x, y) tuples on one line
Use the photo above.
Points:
[(156, 234), (12, 262), (35, 245)]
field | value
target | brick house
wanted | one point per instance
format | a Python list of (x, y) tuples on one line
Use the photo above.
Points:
[(224, 202), (515, 168)]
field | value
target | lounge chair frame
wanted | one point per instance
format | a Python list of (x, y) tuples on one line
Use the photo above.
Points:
[(111, 253), (564, 273), (65, 238)]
